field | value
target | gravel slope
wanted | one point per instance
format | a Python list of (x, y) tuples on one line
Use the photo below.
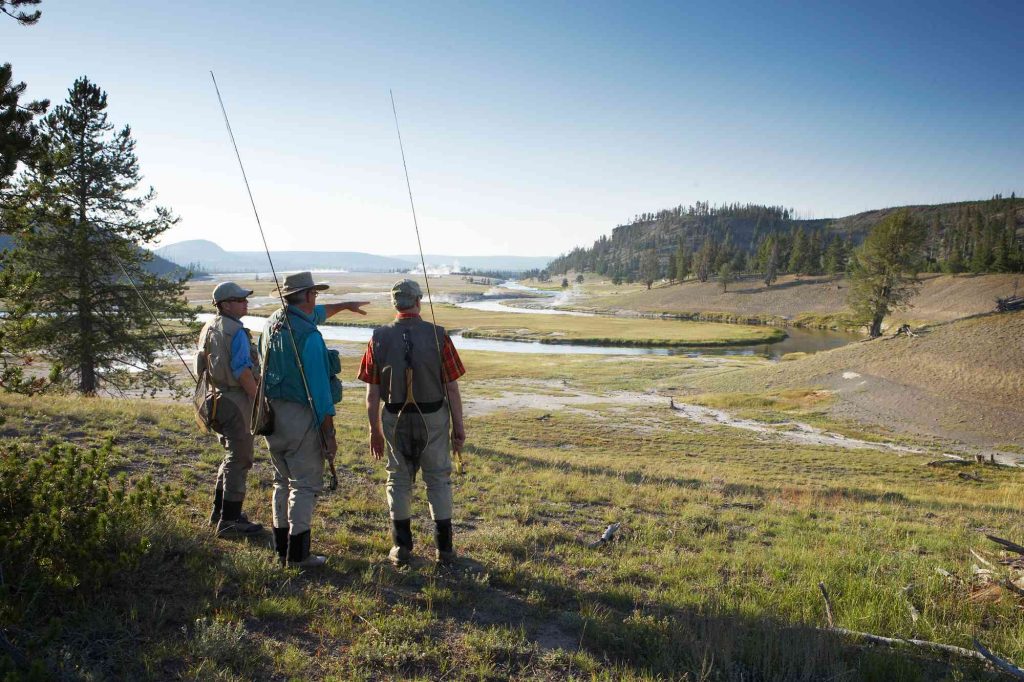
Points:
[(961, 380)]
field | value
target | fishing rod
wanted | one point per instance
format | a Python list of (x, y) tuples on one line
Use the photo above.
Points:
[(284, 304), (426, 280), (167, 338)]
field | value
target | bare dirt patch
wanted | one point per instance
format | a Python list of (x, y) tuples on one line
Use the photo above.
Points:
[(962, 381)]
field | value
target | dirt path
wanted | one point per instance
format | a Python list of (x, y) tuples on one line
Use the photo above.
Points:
[(579, 402)]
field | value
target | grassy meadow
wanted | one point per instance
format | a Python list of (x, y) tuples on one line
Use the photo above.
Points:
[(725, 535)]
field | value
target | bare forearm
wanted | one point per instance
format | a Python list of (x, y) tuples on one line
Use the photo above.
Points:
[(455, 401), (373, 406), (331, 309)]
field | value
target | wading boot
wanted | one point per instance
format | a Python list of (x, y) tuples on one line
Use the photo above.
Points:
[(281, 544), (298, 552), (401, 537), (445, 554), (218, 502), (234, 522)]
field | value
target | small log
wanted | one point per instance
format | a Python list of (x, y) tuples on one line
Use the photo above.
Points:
[(892, 641), (607, 536), (1000, 663), (1012, 546), (828, 605), (941, 462), (920, 643), (969, 477), (1009, 584), (982, 559)]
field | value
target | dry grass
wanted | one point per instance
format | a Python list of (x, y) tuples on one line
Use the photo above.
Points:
[(816, 299), (713, 576)]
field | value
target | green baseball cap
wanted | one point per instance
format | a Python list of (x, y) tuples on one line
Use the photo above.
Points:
[(404, 293), (226, 290)]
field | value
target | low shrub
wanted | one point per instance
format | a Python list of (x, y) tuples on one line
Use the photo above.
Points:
[(67, 529)]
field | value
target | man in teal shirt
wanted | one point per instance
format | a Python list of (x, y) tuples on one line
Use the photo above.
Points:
[(302, 437)]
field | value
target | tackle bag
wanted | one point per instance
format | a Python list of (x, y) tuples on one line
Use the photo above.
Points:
[(206, 402)]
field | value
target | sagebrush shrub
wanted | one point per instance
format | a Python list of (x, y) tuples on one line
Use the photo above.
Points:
[(66, 526)]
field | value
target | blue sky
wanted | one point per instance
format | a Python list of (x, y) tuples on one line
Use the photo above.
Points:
[(534, 127)]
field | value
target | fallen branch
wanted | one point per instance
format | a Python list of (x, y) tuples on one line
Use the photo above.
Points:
[(1000, 663), (893, 641), (1012, 546), (828, 605), (982, 559), (919, 643), (969, 477), (941, 462)]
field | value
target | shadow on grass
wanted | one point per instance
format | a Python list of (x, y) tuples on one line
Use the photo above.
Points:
[(728, 489)]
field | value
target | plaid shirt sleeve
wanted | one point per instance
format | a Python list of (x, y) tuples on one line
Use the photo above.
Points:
[(368, 371), (452, 363)]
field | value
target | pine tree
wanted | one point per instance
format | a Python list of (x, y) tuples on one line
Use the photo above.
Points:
[(649, 267), (82, 219), (884, 276), (704, 259), (834, 257), (725, 276), (798, 253), (12, 8), (682, 263), (17, 131), (771, 266)]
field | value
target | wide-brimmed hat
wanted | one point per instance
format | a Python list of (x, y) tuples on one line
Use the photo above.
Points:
[(226, 290), (300, 281), (404, 293)]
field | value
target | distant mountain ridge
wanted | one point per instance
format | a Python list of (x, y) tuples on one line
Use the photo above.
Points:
[(210, 257)]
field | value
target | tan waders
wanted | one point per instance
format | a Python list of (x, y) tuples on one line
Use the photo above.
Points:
[(234, 411), (298, 459), (233, 418), (418, 445)]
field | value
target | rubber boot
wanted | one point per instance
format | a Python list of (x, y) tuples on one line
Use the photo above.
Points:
[(298, 552), (218, 501), (443, 537), (232, 521), (401, 538), (281, 543)]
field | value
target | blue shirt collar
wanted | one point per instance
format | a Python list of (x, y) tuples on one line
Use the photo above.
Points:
[(295, 310)]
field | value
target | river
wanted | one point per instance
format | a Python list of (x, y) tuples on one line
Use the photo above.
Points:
[(799, 340)]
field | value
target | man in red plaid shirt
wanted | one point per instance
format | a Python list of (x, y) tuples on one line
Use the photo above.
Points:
[(420, 392)]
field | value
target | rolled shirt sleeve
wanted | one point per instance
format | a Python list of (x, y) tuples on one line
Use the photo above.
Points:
[(314, 361), (241, 358)]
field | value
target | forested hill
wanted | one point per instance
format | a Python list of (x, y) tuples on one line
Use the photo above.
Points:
[(977, 236), (158, 266)]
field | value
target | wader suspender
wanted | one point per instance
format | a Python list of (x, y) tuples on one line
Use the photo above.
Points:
[(410, 400)]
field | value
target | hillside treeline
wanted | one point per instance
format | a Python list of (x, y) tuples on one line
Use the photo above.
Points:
[(704, 240)]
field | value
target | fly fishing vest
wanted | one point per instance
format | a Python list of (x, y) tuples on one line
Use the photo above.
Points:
[(418, 341), (215, 352), (283, 380)]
